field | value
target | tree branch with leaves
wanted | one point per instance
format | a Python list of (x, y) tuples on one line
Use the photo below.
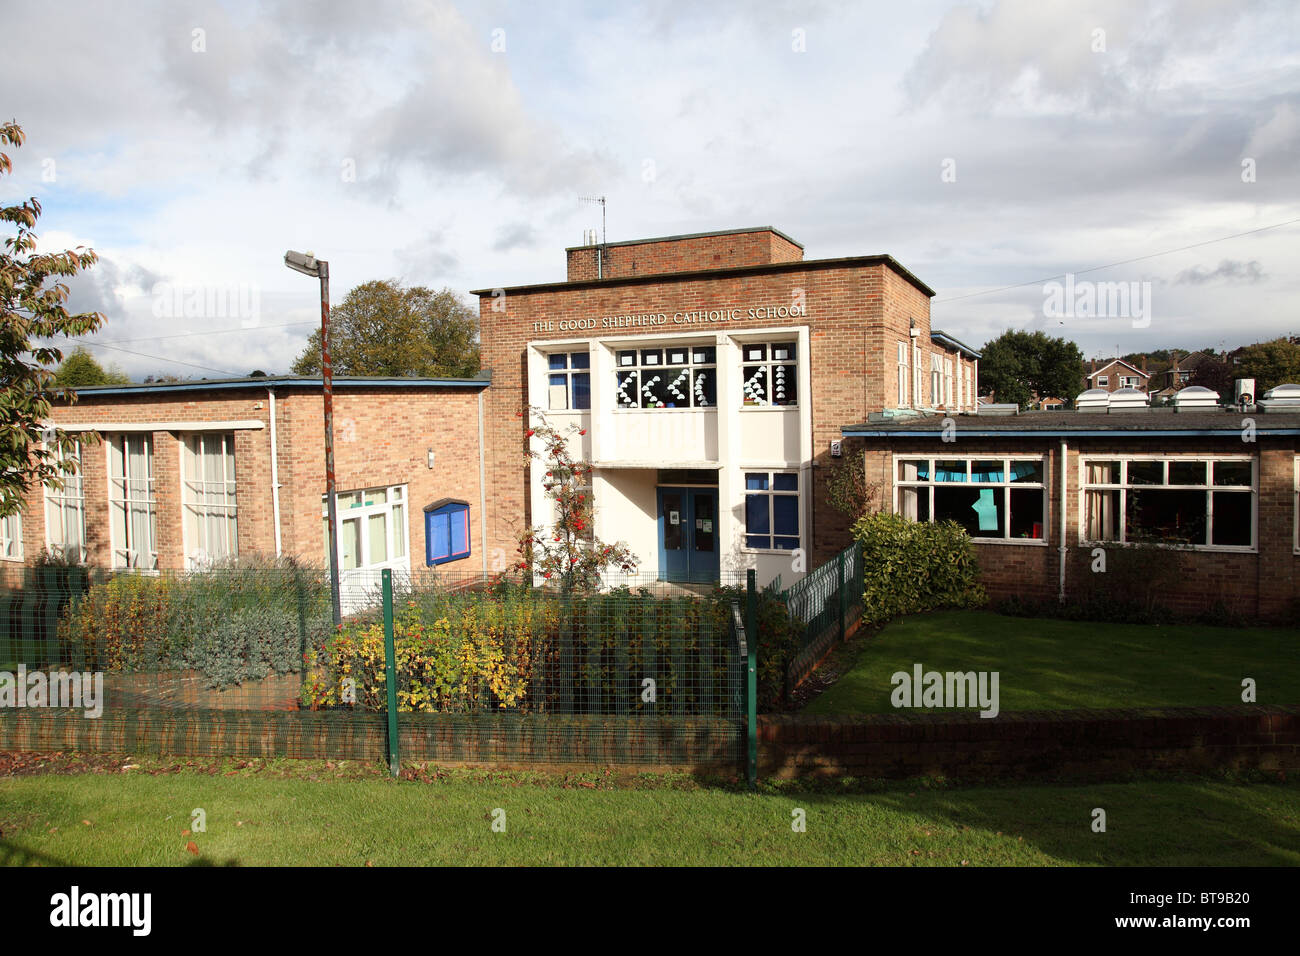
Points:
[(33, 310), (567, 553)]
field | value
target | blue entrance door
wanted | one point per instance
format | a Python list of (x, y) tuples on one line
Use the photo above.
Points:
[(688, 534)]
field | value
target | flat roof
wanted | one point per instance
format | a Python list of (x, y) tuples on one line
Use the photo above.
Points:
[(691, 235), (1066, 424), (770, 267), (945, 339), (285, 381)]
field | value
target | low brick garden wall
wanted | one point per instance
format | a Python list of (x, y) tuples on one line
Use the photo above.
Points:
[(965, 745), (690, 744)]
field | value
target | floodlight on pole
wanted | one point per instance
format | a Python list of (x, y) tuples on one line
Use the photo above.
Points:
[(309, 265)]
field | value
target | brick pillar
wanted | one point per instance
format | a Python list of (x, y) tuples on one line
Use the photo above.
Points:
[(94, 483), (254, 514), (167, 495), (1276, 561)]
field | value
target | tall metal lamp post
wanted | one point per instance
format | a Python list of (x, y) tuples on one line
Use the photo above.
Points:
[(309, 265)]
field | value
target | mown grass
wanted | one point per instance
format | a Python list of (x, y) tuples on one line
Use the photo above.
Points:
[(1054, 665), (271, 817)]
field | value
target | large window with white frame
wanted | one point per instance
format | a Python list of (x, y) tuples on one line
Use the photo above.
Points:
[(569, 380), (667, 376), (208, 498), (132, 506), (769, 374), (903, 363), (936, 379), (994, 499), (65, 512), (1197, 502), (372, 528), (11, 537), (771, 510), (948, 394)]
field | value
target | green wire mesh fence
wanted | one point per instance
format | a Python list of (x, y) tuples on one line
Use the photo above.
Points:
[(824, 606), (247, 660)]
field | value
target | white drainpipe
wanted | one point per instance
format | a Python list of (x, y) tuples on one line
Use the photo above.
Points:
[(1064, 495), (275, 475)]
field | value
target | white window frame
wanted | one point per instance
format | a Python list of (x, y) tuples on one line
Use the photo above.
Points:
[(1103, 381), (125, 555), (918, 378), (691, 365), (11, 537), (771, 493), (197, 503), (769, 363), (1006, 485), (947, 383), (936, 379), (71, 498), (568, 372), (394, 495), (1124, 486), (904, 388)]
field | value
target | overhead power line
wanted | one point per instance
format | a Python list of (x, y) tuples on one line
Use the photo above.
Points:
[(1122, 262), (159, 358)]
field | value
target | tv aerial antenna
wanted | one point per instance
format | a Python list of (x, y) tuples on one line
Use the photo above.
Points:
[(602, 251), (598, 200)]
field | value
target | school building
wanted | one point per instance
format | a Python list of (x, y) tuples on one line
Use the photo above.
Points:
[(711, 380), (1056, 502), (182, 475), (709, 376)]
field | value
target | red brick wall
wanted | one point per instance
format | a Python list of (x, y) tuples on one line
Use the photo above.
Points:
[(1264, 585), (855, 314), (654, 256), (382, 437), (1241, 737)]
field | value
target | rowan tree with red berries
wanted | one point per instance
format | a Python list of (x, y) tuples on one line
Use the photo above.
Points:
[(567, 553)]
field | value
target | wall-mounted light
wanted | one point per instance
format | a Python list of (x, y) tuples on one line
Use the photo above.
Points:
[(430, 457)]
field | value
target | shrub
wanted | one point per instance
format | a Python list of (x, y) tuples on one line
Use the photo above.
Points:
[(252, 643), (122, 624), (241, 620), (534, 651), (914, 566), (778, 641)]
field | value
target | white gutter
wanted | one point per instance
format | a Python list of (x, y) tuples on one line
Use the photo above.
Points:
[(275, 474), (1064, 492)]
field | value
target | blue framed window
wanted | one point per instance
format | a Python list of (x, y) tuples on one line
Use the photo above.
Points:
[(772, 510), (446, 531), (569, 380)]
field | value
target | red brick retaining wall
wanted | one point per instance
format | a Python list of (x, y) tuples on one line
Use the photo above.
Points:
[(1243, 737)]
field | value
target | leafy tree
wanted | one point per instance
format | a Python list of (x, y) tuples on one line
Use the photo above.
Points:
[(1269, 364), (32, 313), (80, 369), (381, 328), (1217, 373), (1017, 365), (569, 552)]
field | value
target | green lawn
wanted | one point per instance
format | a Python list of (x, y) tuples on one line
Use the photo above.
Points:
[(267, 815), (1054, 665)]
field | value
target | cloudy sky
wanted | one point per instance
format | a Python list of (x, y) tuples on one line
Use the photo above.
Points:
[(988, 146)]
